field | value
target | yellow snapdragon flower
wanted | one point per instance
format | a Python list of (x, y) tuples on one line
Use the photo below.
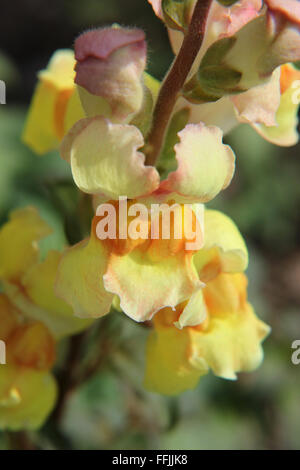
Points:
[(28, 281), (27, 389), (105, 162), (32, 319), (228, 340)]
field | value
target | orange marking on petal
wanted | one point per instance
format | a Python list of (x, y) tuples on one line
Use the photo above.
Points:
[(120, 246), (60, 112), (288, 74), (32, 346), (8, 318), (211, 270)]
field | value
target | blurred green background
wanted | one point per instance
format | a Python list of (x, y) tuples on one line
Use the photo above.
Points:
[(113, 411)]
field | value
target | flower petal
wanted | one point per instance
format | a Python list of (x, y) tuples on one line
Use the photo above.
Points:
[(224, 248), (219, 113), (168, 358), (284, 132), (194, 313), (232, 343), (229, 340), (8, 317), (27, 397), (32, 345), (60, 70), (259, 104), (146, 285), (39, 133), (226, 293), (110, 64), (289, 8), (156, 5), (79, 279), (55, 105), (38, 284), (18, 242), (205, 164), (104, 159)]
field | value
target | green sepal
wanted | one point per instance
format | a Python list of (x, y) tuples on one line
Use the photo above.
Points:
[(227, 3), (214, 78), (167, 161), (177, 13)]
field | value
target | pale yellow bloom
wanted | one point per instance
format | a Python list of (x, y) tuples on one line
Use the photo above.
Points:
[(55, 105)]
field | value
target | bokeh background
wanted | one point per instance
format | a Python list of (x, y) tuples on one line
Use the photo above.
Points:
[(113, 411)]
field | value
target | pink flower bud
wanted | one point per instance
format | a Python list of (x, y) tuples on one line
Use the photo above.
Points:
[(110, 64)]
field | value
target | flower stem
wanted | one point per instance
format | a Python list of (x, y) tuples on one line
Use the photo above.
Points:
[(175, 80)]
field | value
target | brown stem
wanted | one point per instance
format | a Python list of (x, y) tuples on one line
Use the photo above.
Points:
[(175, 80)]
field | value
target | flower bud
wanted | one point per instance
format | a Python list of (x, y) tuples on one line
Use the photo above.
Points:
[(109, 70)]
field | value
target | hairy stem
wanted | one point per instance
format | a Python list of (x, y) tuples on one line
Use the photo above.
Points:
[(175, 80)]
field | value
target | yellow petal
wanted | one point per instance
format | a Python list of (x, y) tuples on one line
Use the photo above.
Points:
[(228, 341), (259, 104), (194, 313), (18, 242), (27, 397), (219, 113), (46, 307), (226, 293), (232, 343), (73, 112), (80, 279), (60, 70), (284, 132), (168, 367), (205, 164), (55, 105), (224, 248), (32, 346), (8, 317), (104, 159), (146, 284), (39, 131), (152, 84)]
